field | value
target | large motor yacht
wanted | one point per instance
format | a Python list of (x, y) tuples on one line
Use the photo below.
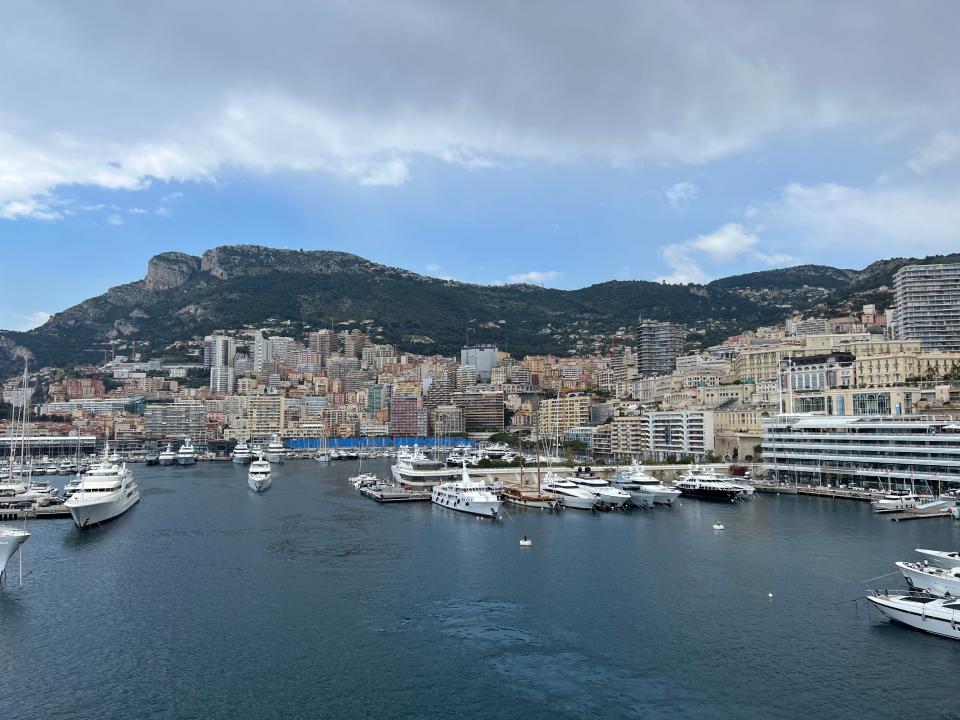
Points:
[(644, 489), (468, 496), (706, 485), (275, 451), (105, 491), (569, 493), (258, 477), (10, 541), (241, 453), (606, 493), (168, 456), (186, 455)]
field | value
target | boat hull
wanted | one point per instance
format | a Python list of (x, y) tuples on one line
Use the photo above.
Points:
[(87, 514), (259, 483), (274, 458), (167, 461), (578, 503), (939, 622), (941, 585), (9, 544), (721, 495), (242, 460), (186, 461)]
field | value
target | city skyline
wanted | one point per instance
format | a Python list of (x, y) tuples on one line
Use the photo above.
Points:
[(633, 158)]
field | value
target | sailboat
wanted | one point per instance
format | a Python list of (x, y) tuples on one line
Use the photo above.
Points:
[(362, 478), (323, 452), (530, 498)]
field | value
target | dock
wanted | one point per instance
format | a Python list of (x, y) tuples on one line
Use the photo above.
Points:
[(395, 494), (50, 512)]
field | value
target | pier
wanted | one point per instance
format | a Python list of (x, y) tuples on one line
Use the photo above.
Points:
[(49, 512)]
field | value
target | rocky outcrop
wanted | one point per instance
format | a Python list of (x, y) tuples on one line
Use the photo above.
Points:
[(170, 270)]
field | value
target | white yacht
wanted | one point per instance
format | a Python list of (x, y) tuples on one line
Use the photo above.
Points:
[(605, 492), (467, 496), (932, 579), (937, 616), (168, 456), (258, 477), (941, 558), (241, 453), (105, 491), (701, 483), (644, 488), (275, 451), (10, 541), (186, 455), (569, 493)]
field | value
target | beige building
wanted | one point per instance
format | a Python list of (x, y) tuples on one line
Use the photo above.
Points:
[(558, 415), (901, 367), (254, 416)]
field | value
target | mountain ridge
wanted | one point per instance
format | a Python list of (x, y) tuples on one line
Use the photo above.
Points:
[(185, 295)]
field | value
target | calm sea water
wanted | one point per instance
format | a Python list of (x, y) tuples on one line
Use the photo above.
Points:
[(208, 601)]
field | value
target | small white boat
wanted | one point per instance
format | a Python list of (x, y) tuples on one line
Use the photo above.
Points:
[(718, 526), (258, 476), (896, 502), (935, 580), (937, 616), (525, 541)]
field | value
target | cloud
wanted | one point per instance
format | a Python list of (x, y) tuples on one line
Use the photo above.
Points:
[(942, 149), (465, 84), (137, 211), (114, 220), (391, 172), (680, 195), (872, 221), (724, 245), (21, 322), (534, 277), (30, 208)]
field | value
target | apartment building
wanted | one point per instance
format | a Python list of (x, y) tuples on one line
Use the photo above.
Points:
[(928, 305), (557, 415)]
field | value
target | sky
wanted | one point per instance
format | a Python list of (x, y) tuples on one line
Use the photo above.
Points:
[(552, 142)]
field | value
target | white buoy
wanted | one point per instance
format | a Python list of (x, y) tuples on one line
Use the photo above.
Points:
[(769, 595)]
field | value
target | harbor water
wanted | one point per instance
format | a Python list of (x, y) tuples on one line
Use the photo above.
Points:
[(208, 601)]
